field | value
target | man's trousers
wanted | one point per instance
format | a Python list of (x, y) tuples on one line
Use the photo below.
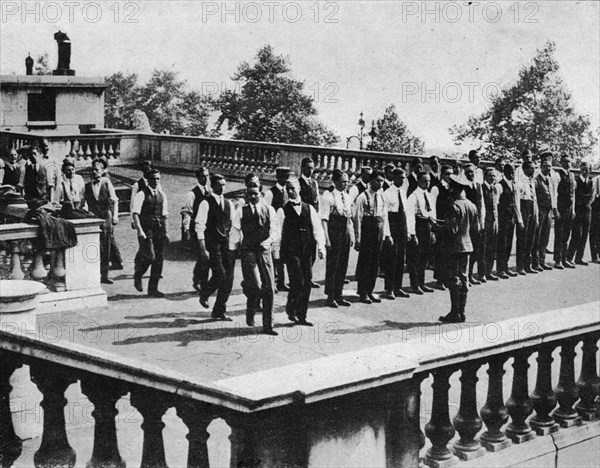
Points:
[(417, 254), (595, 229), (525, 235), (579, 234), (393, 256), (337, 255), (562, 233), (259, 283), (542, 236), (506, 232), (367, 266), (222, 263), (151, 253), (299, 269)]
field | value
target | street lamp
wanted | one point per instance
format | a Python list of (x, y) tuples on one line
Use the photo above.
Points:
[(361, 134)]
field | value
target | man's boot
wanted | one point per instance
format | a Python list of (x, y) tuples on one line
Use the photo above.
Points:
[(462, 302), (452, 316)]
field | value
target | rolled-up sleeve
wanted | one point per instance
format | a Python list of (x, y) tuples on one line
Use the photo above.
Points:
[(201, 218), (136, 204), (318, 233)]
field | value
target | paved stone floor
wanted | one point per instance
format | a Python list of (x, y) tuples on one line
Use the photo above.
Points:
[(177, 334)]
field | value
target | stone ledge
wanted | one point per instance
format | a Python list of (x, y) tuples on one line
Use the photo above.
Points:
[(71, 300)]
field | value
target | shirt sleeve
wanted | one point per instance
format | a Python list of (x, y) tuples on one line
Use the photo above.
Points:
[(518, 202), (201, 219), (136, 204), (268, 198), (386, 221), (326, 203), (112, 195), (189, 202), (318, 233), (353, 192), (59, 193), (236, 235), (358, 216), (411, 210), (274, 230)]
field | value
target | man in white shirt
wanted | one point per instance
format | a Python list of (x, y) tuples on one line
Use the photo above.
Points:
[(336, 216), (393, 256), (213, 228), (71, 187), (301, 234), (422, 208), (362, 184), (442, 199), (194, 197), (527, 214), (371, 227), (254, 230), (150, 217)]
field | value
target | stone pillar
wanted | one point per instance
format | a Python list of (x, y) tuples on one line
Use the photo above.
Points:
[(543, 397), (10, 444), (519, 404), (567, 392), (588, 383), (467, 421), (494, 413), (196, 417)]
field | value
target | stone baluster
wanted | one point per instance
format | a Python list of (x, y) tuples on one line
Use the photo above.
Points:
[(74, 148), (88, 151), (102, 149), (57, 268), (543, 397), (15, 272), (110, 152), (567, 392), (494, 413), (519, 404), (152, 406), (588, 383), (104, 394), (54, 450), (10, 443), (196, 417), (117, 149), (80, 152), (404, 438), (467, 421), (37, 271), (439, 430), (95, 152)]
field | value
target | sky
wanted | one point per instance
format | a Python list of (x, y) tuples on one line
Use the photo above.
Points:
[(438, 62)]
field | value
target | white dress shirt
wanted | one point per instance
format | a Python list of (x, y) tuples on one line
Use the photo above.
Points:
[(391, 199), (370, 203), (71, 190), (525, 190), (418, 206), (335, 202)]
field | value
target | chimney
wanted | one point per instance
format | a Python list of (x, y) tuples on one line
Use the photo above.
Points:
[(29, 65)]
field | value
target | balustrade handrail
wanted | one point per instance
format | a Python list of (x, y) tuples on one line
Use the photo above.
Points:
[(323, 378)]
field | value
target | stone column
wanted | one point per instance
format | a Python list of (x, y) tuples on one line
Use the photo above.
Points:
[(197, 417), (494, 413), (543, 397), (588, 383), (519, 404), (467, 421), (567, 392)]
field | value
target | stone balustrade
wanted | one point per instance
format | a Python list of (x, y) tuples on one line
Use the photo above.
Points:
[(71, 275), (320, 413)]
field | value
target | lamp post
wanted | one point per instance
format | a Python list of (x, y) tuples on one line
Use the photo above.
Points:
[(361, 134)]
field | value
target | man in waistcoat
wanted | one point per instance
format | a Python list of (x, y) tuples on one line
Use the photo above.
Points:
[(309, 192), (336, 216), (71, 188), (489, 237), (255, 228), (527, 216), (213, 227), (13, 171), (546, 200), (565, 204), (277, 197), (462, 221), (35, 180), (474, 194), (422, 208), (139, 185), (150, 217), (301, 234), (102, 201), (434, 172), (195, 196), (362, 184), (583, 214), (442, 200), (393, 255), (506, 222), (595, 221), (371, 228)]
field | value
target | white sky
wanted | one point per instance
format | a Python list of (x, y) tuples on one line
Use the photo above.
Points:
[(352, 55)]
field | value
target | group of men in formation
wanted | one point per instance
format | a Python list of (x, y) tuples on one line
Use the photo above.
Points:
[(451, 219)]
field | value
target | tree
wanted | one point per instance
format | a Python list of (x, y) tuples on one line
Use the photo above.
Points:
[(268, 105), (393, 135), (536, 111), (41, 66), (165, 99)]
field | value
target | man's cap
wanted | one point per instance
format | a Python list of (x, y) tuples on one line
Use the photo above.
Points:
[(283, 171), (459, 180), (101, 160)]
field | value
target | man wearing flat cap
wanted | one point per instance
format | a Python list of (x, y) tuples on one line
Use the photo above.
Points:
[(71, 188), (462, 220)]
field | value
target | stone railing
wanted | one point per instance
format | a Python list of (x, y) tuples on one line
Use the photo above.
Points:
[(71, 275), (353, 409)]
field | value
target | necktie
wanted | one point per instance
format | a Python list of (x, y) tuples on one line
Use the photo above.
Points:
[(400, 205), (427, 205), (375, 204)]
